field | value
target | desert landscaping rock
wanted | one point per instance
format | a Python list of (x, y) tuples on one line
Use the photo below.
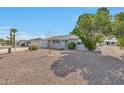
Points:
[(98, 69), (34, 68), (65, 67)]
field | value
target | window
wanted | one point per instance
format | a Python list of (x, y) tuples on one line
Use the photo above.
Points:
[(55, 41)]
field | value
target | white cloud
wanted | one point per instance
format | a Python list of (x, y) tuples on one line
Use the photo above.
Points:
[(3, 32), (5, 27), (21, 35)]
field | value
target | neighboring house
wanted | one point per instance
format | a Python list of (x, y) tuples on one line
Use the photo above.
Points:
[(27, 43), (36, 42), (61, 42), (110, 41), (23, 43)]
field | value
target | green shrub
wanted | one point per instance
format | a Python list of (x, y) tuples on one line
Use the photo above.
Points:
[(72, 45), (33, 47), (121, 41)]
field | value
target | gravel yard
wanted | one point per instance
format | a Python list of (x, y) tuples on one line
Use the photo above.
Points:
[(34, 68), (99, 69), (65, 67)]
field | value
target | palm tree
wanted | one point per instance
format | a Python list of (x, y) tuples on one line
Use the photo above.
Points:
[(10, 38), (1, 40), (13, 30)]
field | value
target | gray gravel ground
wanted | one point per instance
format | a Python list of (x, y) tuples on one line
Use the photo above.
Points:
[(99, 69), (65, 67), (34, 68)]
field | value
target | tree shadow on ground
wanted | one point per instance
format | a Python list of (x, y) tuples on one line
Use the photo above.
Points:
[(96, 68)]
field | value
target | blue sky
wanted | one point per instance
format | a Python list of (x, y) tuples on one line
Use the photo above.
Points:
[(36, 22)]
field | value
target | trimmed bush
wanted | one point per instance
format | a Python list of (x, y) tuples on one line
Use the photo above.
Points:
[(33, 47), (72, 45)]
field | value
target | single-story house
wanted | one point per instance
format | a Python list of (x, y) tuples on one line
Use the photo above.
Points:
[(36, 42), (61, 42), (110, 41), (27, 43), (55, 42), (23, 43)]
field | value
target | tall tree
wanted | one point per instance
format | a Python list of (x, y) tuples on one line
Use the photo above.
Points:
[(13, 30), (10, 37), (119, 28), (1, 40), (7, 42), (103, 21), (103, 10), (92, 28), (86, 31)]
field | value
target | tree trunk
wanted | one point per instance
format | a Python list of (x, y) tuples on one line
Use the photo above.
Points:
[(9, 50), (13, 39), (10, 38)]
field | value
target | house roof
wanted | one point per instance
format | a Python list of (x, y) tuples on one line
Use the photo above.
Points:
[(111, 40), (35, 39), (63, 37), (22, 41), (30, 40)]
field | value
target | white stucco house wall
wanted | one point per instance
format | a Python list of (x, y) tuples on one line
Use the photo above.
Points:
[(62, 41), (110, 41), (36, 42), (44, 43), (27, 43)]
